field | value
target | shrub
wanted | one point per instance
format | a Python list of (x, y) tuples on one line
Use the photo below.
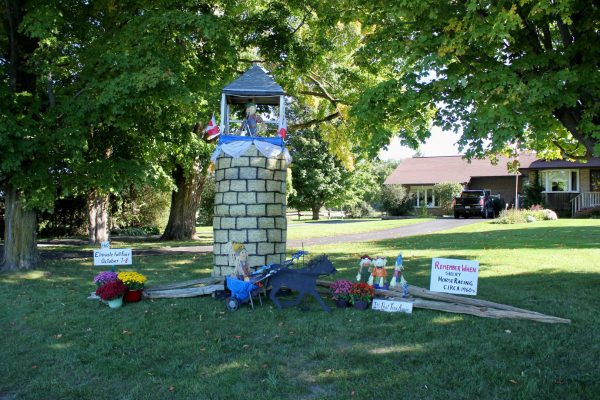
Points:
[(533, 194), (361, 209), (446, 192), (395, 200), (516, 216)]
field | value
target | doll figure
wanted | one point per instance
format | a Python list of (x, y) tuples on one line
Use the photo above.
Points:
[(253, 123), (378, 272), (365, 262), (399, 275), (238, 259)]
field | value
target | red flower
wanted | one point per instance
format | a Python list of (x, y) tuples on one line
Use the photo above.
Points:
[(111, 290)]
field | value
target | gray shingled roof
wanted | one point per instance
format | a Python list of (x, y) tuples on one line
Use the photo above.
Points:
[(253, 85)]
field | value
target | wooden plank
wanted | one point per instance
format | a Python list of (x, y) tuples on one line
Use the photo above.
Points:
[(182, 293), (178, 285)]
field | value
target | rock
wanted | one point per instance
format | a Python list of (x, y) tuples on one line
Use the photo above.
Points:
[(551, 215), (530, 218)]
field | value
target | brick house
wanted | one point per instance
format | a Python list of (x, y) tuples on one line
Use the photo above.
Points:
[(566, 185)]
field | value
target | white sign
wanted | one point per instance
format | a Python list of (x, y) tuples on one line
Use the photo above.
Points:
[(392, 306), (112, 257), (454, 276)]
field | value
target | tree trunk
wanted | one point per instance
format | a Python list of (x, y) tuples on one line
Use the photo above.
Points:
[(315, 212), (20, 237), (185, 202), (97, 217)]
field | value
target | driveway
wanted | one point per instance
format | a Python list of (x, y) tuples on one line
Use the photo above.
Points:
[(422, 228)]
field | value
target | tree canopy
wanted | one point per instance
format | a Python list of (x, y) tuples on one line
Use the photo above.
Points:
[(507, 74)]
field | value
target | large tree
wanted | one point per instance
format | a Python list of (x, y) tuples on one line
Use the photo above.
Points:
[(505, 73)]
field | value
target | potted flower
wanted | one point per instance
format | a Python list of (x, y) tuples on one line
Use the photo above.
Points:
[(340, 291), (135, 284), (112, 292), (361, 295), (104, 277)]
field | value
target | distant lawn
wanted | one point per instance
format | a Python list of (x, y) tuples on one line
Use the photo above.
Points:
[(56, 344)]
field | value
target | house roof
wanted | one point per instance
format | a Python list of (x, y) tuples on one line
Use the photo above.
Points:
[(432, 170), (593, 162), (254, 85)]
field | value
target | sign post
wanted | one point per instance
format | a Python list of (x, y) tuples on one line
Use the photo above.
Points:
[(454, 276)]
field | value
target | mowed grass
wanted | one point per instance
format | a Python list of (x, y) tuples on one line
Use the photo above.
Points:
[(57, 344)]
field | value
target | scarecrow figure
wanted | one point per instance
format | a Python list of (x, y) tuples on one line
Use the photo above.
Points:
[(378, 272), (253, 123), (365, 262), (238, 258)]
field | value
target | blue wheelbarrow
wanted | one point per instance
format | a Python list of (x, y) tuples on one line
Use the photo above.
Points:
[(241, 292)]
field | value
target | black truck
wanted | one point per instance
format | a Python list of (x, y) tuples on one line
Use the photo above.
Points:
[(476, 202)]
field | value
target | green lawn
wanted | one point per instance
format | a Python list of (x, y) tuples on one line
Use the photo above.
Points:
[(57, 344)]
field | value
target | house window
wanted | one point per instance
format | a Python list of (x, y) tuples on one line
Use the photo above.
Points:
[(424, 196), (560, 180)]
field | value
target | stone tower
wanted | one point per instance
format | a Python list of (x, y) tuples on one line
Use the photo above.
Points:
[(250, 199)]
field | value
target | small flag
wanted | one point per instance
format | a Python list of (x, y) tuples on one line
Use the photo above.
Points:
[(212, 129), (282, 131)]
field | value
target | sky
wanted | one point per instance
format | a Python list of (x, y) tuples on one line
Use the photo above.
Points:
[(441, 143)]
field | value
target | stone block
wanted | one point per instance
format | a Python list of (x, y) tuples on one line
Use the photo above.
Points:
[(266, 222), (230, 198), (251, 247), (280, 248), (237, 186), (274, 210), (256, 185), (281, 223), (240, 162), (246, 223), (218, 248), (264, 173), (257, 235), (219, 175), (275, 258), (218, 198), (216, 223), (257, 210), (232, 173), (246, 198), (274, 235), (223, 186), (228, 222), (238, 235), (265, 198), (279, 198), (265, 248), (279, 176), (247, 173), (221, 236), (237, 211), (224, 162), (274, 186), (256, 261), (221, 210), (226, 270), (222, 260), (258, 162), (273, 163)]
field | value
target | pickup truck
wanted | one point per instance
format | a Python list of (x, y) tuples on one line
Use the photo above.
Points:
[(474, 202)]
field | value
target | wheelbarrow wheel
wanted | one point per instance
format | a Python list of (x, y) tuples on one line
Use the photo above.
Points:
[(232, 304)]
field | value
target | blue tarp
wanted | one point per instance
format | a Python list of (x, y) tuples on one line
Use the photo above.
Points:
[(276, 140), (240, 289)]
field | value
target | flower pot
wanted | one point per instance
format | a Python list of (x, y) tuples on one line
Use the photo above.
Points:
[(115, 303), (341, 303), (361, 304), (133, 296)]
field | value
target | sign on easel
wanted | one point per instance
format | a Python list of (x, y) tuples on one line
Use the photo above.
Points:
[(392, 306), (454, 276), (107, 256)]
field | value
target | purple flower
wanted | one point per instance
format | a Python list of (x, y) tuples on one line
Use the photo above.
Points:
[(340, 288), (105, 276)]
